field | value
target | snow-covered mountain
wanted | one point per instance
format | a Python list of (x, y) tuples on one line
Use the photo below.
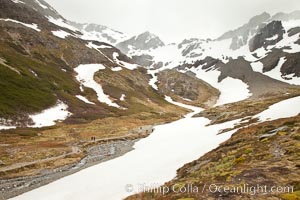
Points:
[(143, 42), (268, 44), (84, 31), (99, 33)]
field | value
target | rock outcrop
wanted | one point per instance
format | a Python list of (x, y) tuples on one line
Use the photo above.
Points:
[(268, 35)]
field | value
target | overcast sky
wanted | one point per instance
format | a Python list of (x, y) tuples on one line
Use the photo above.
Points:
[(172, 20)]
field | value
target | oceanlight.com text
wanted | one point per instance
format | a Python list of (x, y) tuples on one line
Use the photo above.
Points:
[(209, 188)]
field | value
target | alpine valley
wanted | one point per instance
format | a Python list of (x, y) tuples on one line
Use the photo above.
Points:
[(86, 111)]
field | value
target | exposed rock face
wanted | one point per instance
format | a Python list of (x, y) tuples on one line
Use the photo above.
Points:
[(158, 65), (144, 41), (268, 35), (240, 35), (237, 42), (259, 84), (187, 41), (190, 45), (143, 60), (292, 65), (206, 63), (186, 88), (271, 60), (293, 31), (253, 22)]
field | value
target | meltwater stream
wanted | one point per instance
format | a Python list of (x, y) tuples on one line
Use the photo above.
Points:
[(153, 161)]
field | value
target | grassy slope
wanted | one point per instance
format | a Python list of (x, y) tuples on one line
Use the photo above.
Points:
[(26, 93), (23, 50)]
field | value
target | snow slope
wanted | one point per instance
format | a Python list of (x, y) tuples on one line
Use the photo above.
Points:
[(102, 36), (276, 73), (40, 4), (283, 109), (61, 34), (6, 127), (154, 160), (193, 108), (60, 22), (85, 75), (231, 90), (49, 116), (84, 99), (154, 79), (18, 1), (122, 63), (32, 26)]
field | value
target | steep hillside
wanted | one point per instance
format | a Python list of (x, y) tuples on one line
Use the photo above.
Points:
[(37, 69)]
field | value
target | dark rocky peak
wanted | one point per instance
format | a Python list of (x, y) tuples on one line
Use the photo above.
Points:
[(188, 45), (246, 28), (257, 20), (240, 35), (259, 84), (144, 41), (189, 41), (208, 63), (152, 40), (293, 31), (268, 35)]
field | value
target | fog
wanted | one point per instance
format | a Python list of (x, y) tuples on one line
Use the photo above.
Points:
[(172, 20)]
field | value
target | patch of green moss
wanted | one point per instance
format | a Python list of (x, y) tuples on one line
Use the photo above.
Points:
[(291, 196), (239, 160), (249, 150)]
